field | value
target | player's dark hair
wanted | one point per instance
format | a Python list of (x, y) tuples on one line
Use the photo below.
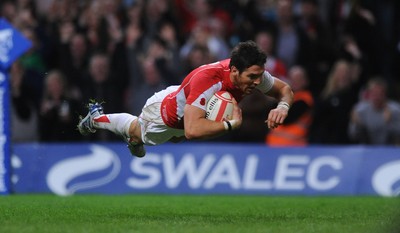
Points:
[(246, 54)]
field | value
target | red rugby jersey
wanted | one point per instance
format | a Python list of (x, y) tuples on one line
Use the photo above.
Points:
[(199, 86)]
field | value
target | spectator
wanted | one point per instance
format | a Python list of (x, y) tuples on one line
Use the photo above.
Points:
[(316, 48), (207, 26), (32, 59), (163, 59), (25, 18), (288, 38), (198, 55), (332, 109), (203, 35), (168, 32), (134, 14), (361, 24), (74, 63), (58, 112), (201, 12), (295, 128), (376, 120), (32, 66), (155, 13), (8, 10), (101, 85), (153, 82), (24, 117), (275, 66), (98, 30)]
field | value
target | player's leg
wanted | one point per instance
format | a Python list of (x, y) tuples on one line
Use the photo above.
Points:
[(122, 124), (118, 123), (125, 125)]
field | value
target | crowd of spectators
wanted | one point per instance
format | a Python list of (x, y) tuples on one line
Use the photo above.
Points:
[(122, 51)]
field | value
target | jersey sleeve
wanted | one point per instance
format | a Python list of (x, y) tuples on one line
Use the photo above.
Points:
[(267, 82)]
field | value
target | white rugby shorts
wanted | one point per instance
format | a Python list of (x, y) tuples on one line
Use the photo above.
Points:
[(154, 131)]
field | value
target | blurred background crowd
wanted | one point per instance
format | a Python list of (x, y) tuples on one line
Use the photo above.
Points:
[(341, 57)]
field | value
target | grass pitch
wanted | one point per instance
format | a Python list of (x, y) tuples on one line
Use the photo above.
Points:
[(167, 213)]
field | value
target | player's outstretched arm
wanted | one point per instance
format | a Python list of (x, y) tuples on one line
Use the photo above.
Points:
[(284, 94)]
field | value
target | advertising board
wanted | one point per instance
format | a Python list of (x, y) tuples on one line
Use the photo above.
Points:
[(199, 168)]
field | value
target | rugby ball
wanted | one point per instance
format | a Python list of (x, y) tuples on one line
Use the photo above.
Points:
[(220, 106)]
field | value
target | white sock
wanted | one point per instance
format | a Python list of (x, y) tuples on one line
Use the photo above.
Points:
[(117, 123)]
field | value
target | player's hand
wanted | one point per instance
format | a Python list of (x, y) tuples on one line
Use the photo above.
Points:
[(276, 117), (236, 120)]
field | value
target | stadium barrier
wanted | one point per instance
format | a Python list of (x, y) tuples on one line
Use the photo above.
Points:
[(205, 168)]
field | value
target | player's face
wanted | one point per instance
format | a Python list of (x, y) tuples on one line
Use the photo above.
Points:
[(248, 79)]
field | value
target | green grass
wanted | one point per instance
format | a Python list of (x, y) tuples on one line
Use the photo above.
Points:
[(167, 213)]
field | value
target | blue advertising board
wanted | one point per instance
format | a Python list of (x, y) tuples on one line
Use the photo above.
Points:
[(4, 135), (12, 45), (198, 168)]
